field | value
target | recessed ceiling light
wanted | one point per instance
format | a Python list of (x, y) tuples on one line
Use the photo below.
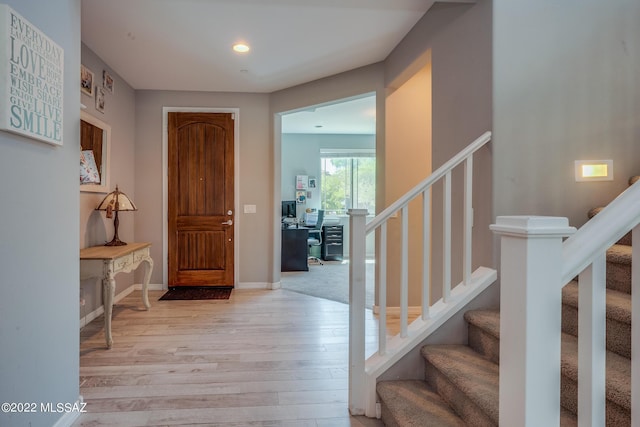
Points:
[(241, 48)]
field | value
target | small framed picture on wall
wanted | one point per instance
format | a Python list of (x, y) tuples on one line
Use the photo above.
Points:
[(107, 81), (100, 99), (86, 80)]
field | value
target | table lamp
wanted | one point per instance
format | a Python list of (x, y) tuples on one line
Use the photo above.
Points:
[(114, 202)]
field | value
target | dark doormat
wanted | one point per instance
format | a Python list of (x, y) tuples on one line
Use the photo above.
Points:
[(196, 293)]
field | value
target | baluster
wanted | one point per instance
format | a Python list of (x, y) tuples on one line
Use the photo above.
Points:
[(468, 220), (635, 327), (382, 291), (591, 345), (426, 252), (404, 273), (446, 239)]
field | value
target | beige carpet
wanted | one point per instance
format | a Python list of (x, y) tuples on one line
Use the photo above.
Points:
[(329, 281)]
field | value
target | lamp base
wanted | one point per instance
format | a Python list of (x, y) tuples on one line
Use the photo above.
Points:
[(115, 242)]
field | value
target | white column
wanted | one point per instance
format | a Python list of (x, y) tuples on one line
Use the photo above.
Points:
[(530, 318), (357, 239)]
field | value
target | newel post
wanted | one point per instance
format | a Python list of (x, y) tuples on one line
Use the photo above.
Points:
[(530, 318), (357, 239)]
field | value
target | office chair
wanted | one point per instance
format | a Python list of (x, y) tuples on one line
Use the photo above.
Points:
[(315, 237)]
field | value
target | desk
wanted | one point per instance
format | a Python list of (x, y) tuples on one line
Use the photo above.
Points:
[(294, 249), (107, 261)]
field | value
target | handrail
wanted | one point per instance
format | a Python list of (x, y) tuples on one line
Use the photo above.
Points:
[(602, 231), (430, 180)]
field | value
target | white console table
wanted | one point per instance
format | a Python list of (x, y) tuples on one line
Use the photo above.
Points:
[(107, 261)]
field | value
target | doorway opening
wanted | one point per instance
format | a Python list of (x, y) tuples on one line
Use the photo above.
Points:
[(328, 166)]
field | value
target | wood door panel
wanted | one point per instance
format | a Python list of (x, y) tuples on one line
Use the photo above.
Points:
[(201, 250), (201, 195), (201, 170)]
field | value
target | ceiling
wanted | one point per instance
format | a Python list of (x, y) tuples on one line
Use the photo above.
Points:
[(186, 45)]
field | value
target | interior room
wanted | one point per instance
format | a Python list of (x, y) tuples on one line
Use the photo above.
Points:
[(133, 89), (328, 165)]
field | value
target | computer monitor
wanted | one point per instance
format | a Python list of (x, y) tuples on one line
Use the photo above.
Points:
[(288, 209)]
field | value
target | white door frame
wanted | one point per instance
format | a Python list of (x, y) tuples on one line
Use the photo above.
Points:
[(165, 184)]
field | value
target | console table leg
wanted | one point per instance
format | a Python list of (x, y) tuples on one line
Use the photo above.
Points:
[(108, 295), (148, 267)]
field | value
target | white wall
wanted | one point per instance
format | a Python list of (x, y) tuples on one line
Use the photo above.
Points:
[(95, 228), (39, 265), (564, 90)]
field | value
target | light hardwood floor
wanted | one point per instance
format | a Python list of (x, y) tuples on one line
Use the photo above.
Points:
[(261, 358)]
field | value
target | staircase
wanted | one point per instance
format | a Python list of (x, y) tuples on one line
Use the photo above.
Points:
[(461, 382)]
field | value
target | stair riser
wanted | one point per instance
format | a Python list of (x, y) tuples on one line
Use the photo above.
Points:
[(485, 344), (387, 417), (468, 411), (615, 415), (626, 240), (618, 335), (619, 277)]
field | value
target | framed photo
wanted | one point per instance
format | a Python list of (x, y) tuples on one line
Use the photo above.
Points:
[(301, 182), (100, 99), (107, 81), (86, 80), (301, 197), (312, 182)]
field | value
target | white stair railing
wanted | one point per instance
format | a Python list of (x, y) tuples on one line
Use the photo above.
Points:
[(535, 264), (363, 373)]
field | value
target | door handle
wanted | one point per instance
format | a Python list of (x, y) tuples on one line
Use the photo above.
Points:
[(229, 222)]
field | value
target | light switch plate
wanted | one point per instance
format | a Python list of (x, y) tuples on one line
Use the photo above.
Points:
[(249, 209)]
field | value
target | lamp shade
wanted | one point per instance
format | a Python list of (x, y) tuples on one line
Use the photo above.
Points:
[(116, 201)]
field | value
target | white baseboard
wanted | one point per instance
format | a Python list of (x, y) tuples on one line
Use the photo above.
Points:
[(257, 285), (135, 287), (151, 287), (69, 418)]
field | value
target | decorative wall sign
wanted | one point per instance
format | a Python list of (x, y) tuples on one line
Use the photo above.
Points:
[(31, 80)]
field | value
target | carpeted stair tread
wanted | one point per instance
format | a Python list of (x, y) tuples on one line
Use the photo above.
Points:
[(618, 303), (619, 254), (411, 403), (618, 389), (469, 372), (619, 268), (487, 320)]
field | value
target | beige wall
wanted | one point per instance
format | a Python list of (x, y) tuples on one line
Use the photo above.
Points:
[(408, 161), (255, 171), (95, 228), (569, 90)]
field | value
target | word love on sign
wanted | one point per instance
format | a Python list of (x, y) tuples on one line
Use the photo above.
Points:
[(31, 80)]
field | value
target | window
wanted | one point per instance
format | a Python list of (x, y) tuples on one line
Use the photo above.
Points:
[(348, 181)]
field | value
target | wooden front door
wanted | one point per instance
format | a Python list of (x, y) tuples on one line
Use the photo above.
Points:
[(200, 196)]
